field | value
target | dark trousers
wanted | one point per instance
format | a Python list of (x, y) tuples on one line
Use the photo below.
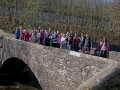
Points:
[(76, 48), (47, 43), (54, 44), (41, 41), (103, 53), (58, 45), (81, 47), (87, 49), (17, 37)]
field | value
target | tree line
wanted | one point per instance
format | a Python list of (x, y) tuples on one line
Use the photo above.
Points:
[(99, 17)]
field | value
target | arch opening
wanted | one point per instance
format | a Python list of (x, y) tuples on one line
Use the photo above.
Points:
[(16, 72)]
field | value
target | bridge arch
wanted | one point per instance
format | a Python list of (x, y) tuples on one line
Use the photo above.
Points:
[(15, 70)]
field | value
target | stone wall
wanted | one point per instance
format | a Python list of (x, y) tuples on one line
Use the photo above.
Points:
[(114, 55), (112, 84), (58, 69), (67, 72)]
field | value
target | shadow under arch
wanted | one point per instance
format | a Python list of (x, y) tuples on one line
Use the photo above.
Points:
[(16, 72)]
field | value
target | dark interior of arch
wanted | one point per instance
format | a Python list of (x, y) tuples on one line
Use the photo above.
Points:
[(16, 73)]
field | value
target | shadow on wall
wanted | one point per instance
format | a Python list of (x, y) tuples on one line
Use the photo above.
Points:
[(16, 73)]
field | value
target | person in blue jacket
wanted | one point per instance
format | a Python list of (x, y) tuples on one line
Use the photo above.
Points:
[(17, 33)]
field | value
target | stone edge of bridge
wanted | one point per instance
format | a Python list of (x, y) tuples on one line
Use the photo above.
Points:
[(100, 78)]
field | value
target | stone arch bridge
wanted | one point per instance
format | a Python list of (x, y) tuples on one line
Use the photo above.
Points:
[(58, 69)]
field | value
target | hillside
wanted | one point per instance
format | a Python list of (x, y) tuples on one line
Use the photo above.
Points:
[(96, 18)]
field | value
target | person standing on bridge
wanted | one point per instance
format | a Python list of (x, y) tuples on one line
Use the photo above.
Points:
[(47, 39), (70, 41), (17, 33), (59, 40), (33, 37), (63, 43), (76, 43), (104, 48), (81, 42), (54, 40), (39, 29), (27, 35), (22, 33), (87, 44)]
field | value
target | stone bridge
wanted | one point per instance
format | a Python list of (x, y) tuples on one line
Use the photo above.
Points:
[(58, 69)]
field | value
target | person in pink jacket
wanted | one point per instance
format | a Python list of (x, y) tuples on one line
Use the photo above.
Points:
[(104, 48)]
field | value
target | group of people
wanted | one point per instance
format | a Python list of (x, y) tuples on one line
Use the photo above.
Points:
[(54, 38)]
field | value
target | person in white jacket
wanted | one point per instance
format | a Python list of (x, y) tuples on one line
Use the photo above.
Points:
[(63, 43)]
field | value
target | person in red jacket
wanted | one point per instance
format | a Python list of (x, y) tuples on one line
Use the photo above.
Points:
[(39, 29), (42, 36), (76, 43), (22, 34), (27, 35)]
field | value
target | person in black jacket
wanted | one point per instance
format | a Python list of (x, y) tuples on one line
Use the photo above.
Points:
[(70, 41), (47, 39), (87, 44)]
